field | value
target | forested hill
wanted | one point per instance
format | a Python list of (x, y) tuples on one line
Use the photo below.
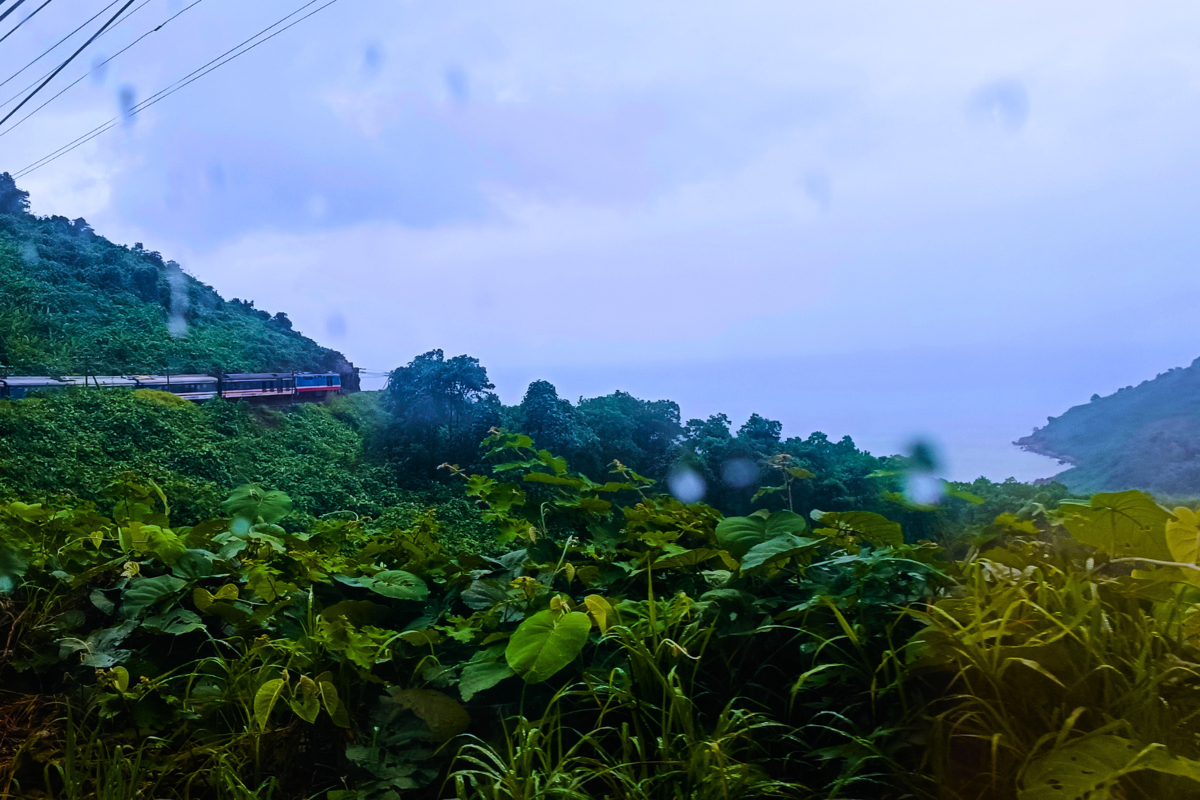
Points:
[(71, 300), (1143, 437)]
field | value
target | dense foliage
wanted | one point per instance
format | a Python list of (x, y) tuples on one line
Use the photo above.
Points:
[(436, 409), (73, 302), (78, 442), (623, 645), (1140, 437)]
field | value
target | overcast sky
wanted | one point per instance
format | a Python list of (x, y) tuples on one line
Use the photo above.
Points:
[(878, 219)]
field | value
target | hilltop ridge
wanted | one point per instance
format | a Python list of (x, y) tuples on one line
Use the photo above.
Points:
[(1140, 437), (71, 300)]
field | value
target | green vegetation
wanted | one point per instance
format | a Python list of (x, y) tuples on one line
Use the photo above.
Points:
[(71, 301), (622, 644), (1140, 437), (76, 443)]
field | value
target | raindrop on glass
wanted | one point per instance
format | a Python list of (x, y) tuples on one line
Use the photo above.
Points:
[(686, 485), (739, 472)]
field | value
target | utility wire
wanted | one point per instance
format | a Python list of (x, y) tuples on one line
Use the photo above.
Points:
[(68, 36), (190, 78), (14, 8), (60, 41), (161, 25), (63, 65), (22, 22)]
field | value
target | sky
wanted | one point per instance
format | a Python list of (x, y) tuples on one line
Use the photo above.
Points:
[(930, 220)]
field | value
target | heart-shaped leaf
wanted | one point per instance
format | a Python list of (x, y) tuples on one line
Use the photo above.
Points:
[(546, 642)]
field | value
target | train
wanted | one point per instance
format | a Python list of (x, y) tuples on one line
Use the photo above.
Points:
[(252, 386)]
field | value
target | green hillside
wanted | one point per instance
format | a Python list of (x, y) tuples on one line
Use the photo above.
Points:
[(1140, 437), (72, 301)]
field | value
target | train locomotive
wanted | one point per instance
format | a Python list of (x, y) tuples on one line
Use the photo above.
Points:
[(251, 386)]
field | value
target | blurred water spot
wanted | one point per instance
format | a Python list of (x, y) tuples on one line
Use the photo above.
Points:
[(99, 70), (923, 485), (923, 489), (817, 186), (127, 100), (29, 253), (317, 206), (177, 324), (335, 325), (215, 177), (1002, 104), (372, 60), (686, 485), (739, 472), (457, 84), (924, 456)]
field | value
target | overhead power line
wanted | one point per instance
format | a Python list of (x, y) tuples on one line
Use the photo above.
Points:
[(63, 65), (14, 8), (160, 26), (28, 17), (60, 41), (19, 94), (237, 51)]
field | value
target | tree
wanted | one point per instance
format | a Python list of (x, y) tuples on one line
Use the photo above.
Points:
[(554, 424), (642, 434), (439, 410), (12, 199)]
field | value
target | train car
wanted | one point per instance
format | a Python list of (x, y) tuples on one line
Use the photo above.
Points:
[(18, 387), (189, 387), (258, 384), (102, 381), (317, 385)]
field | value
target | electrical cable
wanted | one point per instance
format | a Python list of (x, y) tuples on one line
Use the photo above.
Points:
[(100, 64), (28, 17), (60, 41), (188, 79), (14, 8), (63, 66), (68, 36)]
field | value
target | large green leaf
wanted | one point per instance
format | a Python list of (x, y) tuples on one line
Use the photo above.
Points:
[(686, 558), (872, 528), (547, 642), (265, 699), (146, 592), (739, 534), (306, 701), (253, 503), (12, 569), (1088, 769), (100, 649), (1183, 536), (175, 622), (477, 677), (776, 550), (397, 584), (1119, 523)]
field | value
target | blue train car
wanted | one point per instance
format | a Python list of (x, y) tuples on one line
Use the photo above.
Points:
[(19, 387), (317, 386), (189, 387), (258, 384)]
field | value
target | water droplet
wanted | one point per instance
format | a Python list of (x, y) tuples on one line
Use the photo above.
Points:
[(127, 101), (818, 187), (686, 485), (458, 84), (177, 324), (1003, 105), (335, 325), (739, 472), (317, 206), (372, 60), (99, 70)]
